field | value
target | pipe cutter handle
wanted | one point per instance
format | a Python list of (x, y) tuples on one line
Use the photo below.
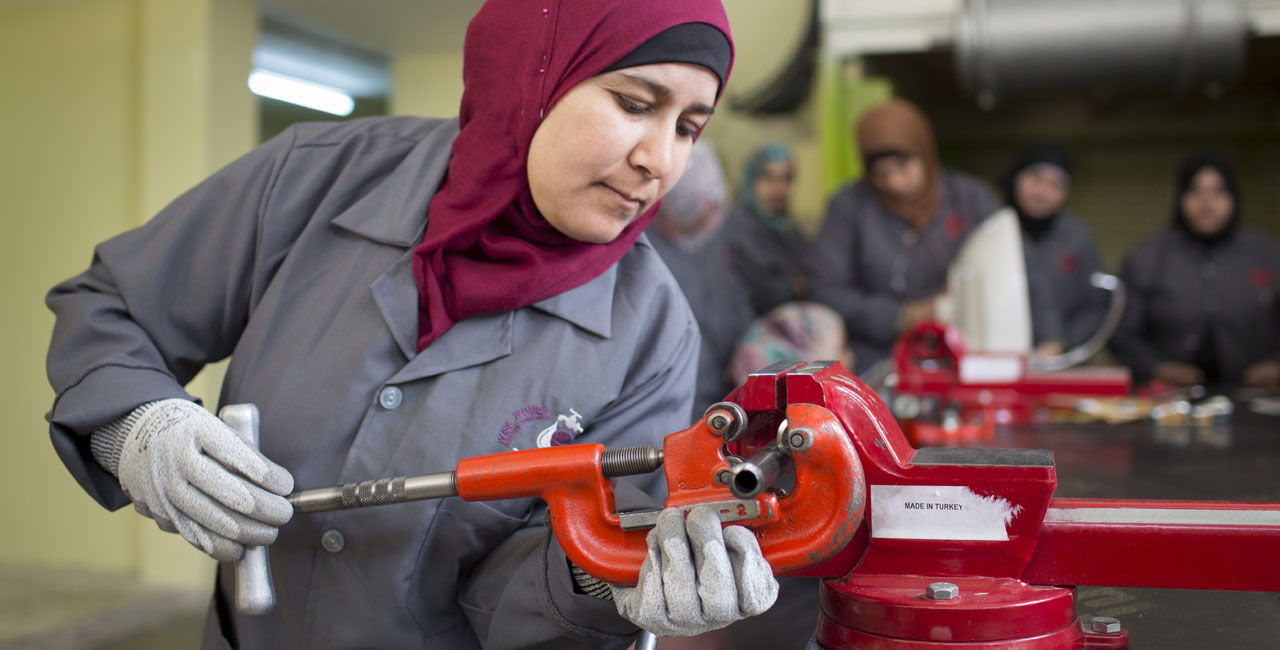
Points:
[(255, 595)]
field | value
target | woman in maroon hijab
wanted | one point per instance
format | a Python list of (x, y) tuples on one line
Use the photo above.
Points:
[(397, 294)]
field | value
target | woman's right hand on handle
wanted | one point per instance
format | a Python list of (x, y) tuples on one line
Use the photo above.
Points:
[(697, 577), (195, 476)]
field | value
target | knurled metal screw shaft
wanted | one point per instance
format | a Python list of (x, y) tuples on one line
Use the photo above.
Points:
[(942, 591)]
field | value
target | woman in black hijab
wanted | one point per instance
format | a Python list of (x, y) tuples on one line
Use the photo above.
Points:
[(1202, 293), (1058, 246)]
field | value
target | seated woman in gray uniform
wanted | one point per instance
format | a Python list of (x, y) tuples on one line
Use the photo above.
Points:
[(397, 294), (1058, 247), (688, 233), (883, 251), (1202, 305), (768, 248)]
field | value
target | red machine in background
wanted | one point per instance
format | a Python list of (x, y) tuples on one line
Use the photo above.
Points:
[(945, 393)]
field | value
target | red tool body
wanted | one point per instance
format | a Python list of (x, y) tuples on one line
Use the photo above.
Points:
[(984, 522), (795, 531), (968, 393)]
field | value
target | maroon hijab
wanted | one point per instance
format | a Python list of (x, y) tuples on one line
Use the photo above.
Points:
[(487, 249)]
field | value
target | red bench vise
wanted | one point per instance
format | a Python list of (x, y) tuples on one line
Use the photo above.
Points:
[(965, 549)]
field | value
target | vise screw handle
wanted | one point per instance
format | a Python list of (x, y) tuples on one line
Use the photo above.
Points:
[(255, 594)]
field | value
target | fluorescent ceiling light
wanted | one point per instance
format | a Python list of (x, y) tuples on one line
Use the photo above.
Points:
[(300, 92)]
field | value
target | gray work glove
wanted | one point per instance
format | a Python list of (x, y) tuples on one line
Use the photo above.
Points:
[(196, 476), (697, 578)]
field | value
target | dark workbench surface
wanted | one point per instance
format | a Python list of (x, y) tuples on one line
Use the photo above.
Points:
[(1238, 461)]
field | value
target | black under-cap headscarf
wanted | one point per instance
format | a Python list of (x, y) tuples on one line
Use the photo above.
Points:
[(1035, 153), (697, 43), (1186, 173)]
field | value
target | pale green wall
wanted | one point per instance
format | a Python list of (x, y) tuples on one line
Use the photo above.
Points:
[(125, 103), (66, 181), (427, 84), (765, 33)]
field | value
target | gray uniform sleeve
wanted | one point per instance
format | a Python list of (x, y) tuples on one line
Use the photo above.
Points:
[(156, 305), (832, 269), (1130, 343), (504, 612), (1089, 312), (1046, 317)]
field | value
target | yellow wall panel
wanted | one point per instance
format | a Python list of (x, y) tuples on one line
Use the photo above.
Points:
[(125, 104)]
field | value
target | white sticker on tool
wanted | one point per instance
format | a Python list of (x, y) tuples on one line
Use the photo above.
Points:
[(938, 512)]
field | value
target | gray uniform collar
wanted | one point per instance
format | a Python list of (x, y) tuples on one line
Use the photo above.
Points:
[(394, 214)]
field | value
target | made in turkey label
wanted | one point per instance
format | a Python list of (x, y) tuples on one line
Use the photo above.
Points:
[(939, 512)]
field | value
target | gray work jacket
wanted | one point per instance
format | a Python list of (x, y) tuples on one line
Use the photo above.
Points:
[(1064, 257), (1180, 290), (867, 261), (770, 263), (295, 261)]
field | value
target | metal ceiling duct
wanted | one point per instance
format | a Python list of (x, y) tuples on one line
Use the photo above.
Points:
[(1004, 47), (776, 61)]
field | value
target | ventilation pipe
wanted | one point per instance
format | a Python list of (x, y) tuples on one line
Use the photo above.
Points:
[(1004, 47)]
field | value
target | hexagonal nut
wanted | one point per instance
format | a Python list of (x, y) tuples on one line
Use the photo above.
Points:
[(1104, 625), (942, 591)]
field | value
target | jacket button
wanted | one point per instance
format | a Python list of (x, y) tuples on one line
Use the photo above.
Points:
[(333, 541), (390, 397)]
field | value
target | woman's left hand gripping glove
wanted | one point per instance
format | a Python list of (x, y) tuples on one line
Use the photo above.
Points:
[(697, 577), (196, 476)]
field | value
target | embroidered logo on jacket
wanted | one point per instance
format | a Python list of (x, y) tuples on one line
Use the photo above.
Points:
[(1067, 263), (519, 418), (564, 430), (956, 224), (1260, 277)]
